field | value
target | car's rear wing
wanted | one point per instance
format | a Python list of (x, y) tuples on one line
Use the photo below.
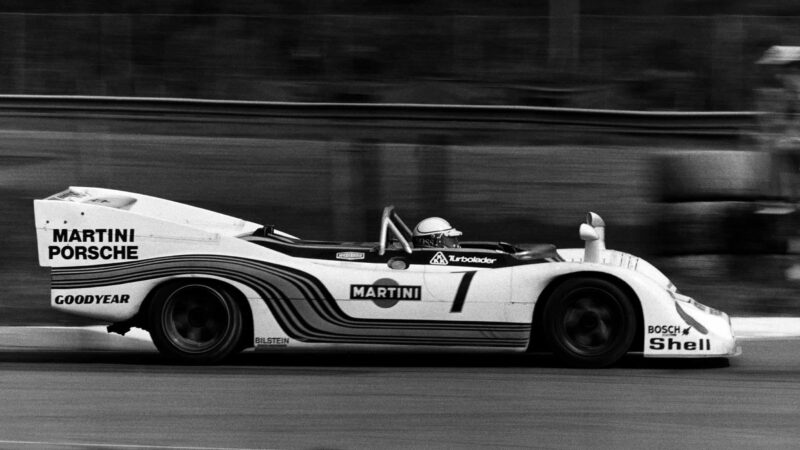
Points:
[(83, 226)]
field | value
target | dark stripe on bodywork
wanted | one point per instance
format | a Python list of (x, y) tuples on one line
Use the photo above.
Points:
[(303, 307), (461, 293), (691, 321), (529, 254)]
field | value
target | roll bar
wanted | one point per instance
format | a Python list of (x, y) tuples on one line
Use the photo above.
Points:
[(390, 221)]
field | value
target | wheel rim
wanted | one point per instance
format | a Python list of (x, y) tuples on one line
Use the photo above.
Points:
[(196, 318), (592, 322)]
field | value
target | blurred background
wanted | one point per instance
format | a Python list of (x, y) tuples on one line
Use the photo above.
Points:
[(649, 54), (715, 208)]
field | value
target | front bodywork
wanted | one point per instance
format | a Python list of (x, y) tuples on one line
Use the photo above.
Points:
[(108, 250), (674, 324)]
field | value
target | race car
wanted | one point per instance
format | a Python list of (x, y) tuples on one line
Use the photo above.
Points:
[(207, 285)]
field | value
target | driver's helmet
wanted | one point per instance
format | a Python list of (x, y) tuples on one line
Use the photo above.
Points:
[(435, 232)]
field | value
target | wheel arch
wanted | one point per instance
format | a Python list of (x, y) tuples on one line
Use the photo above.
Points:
[(140, 319), (537, 338)]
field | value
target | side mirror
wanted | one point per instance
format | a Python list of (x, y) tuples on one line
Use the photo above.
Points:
[(593, 232), (588, 233), (595, 220)]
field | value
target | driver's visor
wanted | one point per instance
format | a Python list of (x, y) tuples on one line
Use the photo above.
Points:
[(449, 241)]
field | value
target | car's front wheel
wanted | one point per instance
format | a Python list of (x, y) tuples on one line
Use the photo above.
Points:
[(195, 321), (589, 322)]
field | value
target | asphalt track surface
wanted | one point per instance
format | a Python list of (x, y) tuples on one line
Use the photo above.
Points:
[(316, 401)]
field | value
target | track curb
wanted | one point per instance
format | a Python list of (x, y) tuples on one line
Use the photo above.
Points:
[(757, 328)]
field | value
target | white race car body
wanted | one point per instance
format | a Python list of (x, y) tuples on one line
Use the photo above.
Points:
[(110, 250)]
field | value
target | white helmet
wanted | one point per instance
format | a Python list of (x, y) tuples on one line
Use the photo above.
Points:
[(435, 232)]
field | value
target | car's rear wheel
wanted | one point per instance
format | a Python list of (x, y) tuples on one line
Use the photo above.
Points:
[(196, 322), (589, 322)]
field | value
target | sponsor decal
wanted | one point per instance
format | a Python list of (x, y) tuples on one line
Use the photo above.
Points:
[(471, 259), (385, 292), (93, 235), (661, 343), (350, 256), (75, 238), (91, 299), (272, 341), (668, 330), (439, 259)]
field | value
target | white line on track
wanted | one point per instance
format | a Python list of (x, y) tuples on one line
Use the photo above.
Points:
[(766, 327), (106, 445)]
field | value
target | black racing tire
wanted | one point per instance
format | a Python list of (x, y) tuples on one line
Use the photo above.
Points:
[(589, 322), (194, 321)]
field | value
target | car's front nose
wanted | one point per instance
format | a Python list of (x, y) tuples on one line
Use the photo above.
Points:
[(696, 330)]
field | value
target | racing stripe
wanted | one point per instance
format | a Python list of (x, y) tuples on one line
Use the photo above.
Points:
[(308, 291), (299, 302)]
